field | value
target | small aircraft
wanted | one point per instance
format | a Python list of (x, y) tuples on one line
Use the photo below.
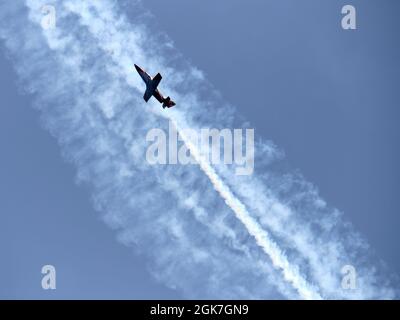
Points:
[(151, 88)]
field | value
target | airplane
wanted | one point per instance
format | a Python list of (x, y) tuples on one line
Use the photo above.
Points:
[(151, 88)]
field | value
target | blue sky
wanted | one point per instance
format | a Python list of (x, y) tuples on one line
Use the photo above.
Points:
[(325, 96)]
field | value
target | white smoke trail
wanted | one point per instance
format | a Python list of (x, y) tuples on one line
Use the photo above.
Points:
[(263, 240), (81, 74)]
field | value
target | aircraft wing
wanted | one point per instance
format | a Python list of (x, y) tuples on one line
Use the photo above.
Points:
[(156, 80), (147, 94)]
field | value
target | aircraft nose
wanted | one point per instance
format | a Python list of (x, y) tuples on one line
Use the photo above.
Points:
[(138, 69)]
